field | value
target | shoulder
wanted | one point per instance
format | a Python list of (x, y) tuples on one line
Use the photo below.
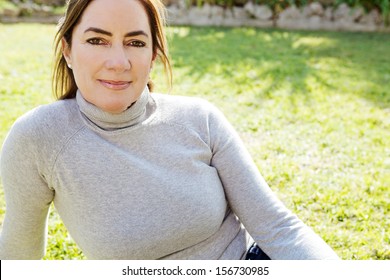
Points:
[(47, 115), (44, 122), (192, 113), (186, 107), (36, 137)]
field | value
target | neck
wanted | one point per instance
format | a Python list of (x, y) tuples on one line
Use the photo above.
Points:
[(134, 114)]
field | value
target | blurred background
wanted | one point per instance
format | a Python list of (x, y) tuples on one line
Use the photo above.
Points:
[(306, 84), (352, 15)]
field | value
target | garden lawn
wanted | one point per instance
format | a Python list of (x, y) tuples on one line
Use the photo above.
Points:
[(311, 107)]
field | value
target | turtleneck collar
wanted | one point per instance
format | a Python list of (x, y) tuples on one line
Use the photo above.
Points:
[(108, 121)]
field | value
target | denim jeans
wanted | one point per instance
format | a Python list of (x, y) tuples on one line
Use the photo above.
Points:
[(255, 253)]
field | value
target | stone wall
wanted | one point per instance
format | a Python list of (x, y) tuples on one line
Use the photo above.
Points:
[(315, 16), (312, 17)]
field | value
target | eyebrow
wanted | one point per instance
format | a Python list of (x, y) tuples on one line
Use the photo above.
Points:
[(104, 32)]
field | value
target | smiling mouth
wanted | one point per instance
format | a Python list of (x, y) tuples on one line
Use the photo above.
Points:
[(115, 85)]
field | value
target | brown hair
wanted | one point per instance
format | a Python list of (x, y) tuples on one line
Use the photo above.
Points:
[(63, 82)]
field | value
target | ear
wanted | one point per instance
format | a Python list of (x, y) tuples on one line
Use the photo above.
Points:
[(66, 51)]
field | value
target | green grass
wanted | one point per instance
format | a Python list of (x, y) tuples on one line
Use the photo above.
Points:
[(312, 108)]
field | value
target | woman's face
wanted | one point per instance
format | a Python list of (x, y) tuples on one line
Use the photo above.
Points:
[(111, 53)]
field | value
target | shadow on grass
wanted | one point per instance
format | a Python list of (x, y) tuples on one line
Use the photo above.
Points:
[(353, 63)]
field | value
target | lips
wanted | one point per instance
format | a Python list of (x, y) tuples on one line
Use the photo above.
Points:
[(115, 85)]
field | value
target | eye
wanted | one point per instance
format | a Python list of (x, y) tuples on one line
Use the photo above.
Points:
[(136, 43), (96, 41)]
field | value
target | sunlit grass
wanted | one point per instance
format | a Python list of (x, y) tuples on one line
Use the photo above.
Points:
[(312, 108)]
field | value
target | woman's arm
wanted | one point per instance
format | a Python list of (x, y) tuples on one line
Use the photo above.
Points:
[(280, 233), (27, 195)]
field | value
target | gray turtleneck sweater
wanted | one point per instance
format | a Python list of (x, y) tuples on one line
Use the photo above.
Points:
[(167, 179)]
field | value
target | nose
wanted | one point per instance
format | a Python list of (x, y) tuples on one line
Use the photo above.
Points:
[(118, 60)]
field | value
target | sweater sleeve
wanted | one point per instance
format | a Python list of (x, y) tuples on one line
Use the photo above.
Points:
[(280, 233), (26, 193)]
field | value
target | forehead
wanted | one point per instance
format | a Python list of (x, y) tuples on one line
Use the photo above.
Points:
[(115, 16)]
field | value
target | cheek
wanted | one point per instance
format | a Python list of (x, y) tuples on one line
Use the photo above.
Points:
[(142, 63), (87, 60), (85, 67)]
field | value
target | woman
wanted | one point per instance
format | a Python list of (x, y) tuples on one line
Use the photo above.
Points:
[(136, 175)]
